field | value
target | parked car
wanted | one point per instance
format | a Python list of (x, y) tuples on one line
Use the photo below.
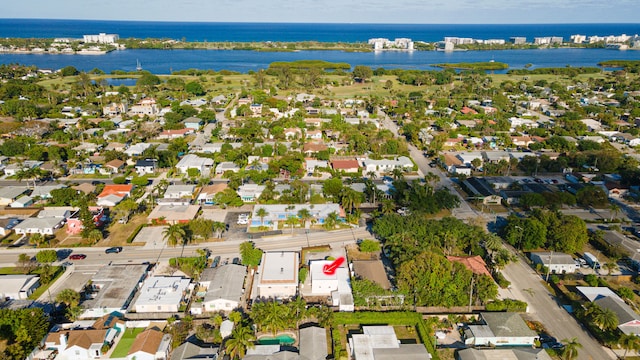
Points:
[(113, 250), (216, 261), (236, 261), (77, 257)]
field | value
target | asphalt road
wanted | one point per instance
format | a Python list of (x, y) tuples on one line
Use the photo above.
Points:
[(464, 211), (134, 254), (527, 285)]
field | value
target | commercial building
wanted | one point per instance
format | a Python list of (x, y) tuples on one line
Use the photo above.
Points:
[(278, 275), (162, 294), (556, 262), (112, 289)]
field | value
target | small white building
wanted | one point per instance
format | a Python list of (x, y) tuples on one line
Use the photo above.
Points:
[(337, 285), (278, 275), (18, 286), (556, 262), (500, 329), (191, 161), (44, 226), (162, 294)]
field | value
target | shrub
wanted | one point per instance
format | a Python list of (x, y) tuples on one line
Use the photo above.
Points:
[(500, 279), (369, 246), (302, 274), (507, 305)]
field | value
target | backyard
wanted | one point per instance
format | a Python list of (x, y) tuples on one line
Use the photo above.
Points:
[(127, 339)]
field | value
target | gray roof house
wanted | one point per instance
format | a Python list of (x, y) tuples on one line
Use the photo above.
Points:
[(225, 286), (313, 343), (500, 329), (628, 320), (511, 354)]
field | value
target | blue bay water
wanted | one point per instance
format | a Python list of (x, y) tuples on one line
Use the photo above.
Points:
[(165, 61)]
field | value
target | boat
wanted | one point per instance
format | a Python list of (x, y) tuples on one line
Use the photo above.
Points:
[(138, 65)]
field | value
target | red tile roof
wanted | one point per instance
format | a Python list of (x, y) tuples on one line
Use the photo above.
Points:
[(473, 263), (116, 189), (345, 164)]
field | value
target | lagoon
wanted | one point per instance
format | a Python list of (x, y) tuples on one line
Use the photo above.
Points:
[(166, 61)]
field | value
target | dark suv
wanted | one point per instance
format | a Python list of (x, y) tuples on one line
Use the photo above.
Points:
[(113, 250)]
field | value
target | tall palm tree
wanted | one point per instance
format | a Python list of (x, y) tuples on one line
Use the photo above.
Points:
[(304, 215), (174, 234), (241, 338), (571, 347), (629, 342), (292, 221), (262, 213), (610, 266), (388, 207), (219, 227), (274, 319), (95, 235), (606, 319), (397, 174), (331, 220), (614, 210)]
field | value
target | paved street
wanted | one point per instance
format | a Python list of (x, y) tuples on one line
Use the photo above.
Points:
[(528, 286)]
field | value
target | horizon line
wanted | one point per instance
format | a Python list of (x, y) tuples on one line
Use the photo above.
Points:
[(319, 23)]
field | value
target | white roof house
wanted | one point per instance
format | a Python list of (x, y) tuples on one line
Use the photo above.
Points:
[(179, 191), (338, 284), (9, 194), (500, 329), (18, 286), (381, 342), (250, 192), (280, 212), (225, 286), (137, 149), (44, 191), (227, 166), (278, 275), (556, 262), (384, 165), (161, 294), (191, 161), (44, 226)]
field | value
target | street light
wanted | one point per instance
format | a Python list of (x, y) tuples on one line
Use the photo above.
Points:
[(306, 231)]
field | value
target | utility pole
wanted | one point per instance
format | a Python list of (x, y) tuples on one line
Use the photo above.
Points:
[(549, 266)]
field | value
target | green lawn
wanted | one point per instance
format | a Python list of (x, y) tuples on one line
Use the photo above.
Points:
[(125, 342)]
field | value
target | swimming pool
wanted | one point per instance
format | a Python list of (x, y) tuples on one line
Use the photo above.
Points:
[(282, 339)]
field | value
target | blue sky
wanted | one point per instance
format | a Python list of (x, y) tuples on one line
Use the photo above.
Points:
[(334, 11)]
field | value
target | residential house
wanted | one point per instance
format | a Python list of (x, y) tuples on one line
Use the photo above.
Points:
[(605, 298), (313, 122), (500, 329), (137, 149), (114, 166), (281, 212), (15, 168), (114, 109), (314, 134), (75, 225), (556, 262), (479, 189), (44, 226), (7, 225), (219, 100), (224, 287), (510, 354), (473, 263), (78, 344), (207, 194), (22, 202), (146, 106), (180, 191), (18, 287), (381, 342), (313, 343), (250, 192), (191, 161), (312, 164), (112, 194), (113, 288), (348, 166), (225, 166), (292, 133), (387, 165), (190, 351), (313, 147), (193, 123), (175, 134), (173, 214), (592, 125), (146, 166), (278, 275), (151, 344), (337, 285), (162, 294)]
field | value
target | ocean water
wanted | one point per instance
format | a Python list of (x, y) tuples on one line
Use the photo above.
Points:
[(243, 61), (197, 31)]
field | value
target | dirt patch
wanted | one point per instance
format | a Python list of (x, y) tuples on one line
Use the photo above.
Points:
[(354, 253)]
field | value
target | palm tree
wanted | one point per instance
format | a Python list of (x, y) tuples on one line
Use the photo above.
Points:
[(262, 213), (241, 338), (331, 220), (37, 239), (571, 347), (388, 207), (174, 234), (606, 319), (614, 210), (397, 174), (273, 318), (610, 266), (372, 175), (305, 215), (431, 178), (95, 235), (292, 221), (629, 342), (69, 297), (219, 227)]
